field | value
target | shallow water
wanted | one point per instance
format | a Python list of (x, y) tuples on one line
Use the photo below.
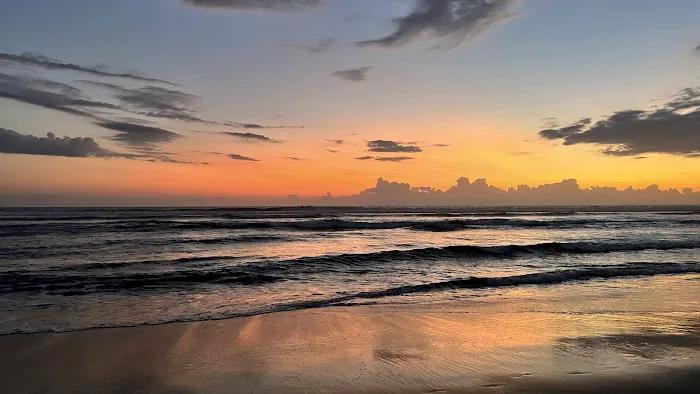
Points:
[(68, 269)]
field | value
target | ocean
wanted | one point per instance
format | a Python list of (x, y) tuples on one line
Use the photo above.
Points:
[(66, 269)]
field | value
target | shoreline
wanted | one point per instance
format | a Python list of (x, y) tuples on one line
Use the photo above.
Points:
[(586, 344)]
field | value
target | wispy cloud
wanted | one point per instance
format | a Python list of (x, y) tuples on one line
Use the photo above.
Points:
[(392, 147), (241, 157), (323, 45), (139, 136), (250, 137), (251, 5), (456, 20), (336, 142), (155, 101), (387, 159), (37, 60), (520, 153), (49, 94), (240, 125), (353, 74)]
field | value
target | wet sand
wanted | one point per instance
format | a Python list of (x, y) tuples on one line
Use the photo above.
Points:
[(489, 347)]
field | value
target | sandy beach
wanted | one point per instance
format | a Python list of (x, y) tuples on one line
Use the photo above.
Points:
[(567, 338)]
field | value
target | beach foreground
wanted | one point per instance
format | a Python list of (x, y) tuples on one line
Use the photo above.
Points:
[(639, 335)]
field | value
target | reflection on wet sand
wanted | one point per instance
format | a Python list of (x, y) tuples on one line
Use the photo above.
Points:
[(422, 348)]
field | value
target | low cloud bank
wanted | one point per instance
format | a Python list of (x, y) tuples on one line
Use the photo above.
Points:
[(479, 192)]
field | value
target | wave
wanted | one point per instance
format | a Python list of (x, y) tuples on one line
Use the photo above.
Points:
[(189, 271), (474, 283), (539, 278), (504, 251), (67, 285), (322, 225)]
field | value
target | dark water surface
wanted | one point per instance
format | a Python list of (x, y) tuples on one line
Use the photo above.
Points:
[(69, 268)]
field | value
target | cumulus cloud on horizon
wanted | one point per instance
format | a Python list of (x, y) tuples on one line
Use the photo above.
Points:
[(479, 192)]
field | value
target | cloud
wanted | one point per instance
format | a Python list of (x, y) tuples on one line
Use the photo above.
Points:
[(332, 151), (155, 101), (139, 136), (441, 145), (162, 103), (271, 5), (49, 94), (241, 158), (336, 142), (391, 147), (240, 125), (353, 74), (251, 137), (323, 45), (520, 153), (479, 192), (673, 129), (456, 20), (697, 49), (389, 159), (291, 158), (14, 142), (37, 60)]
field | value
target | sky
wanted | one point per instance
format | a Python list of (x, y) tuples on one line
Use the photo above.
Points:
[(245, 101)]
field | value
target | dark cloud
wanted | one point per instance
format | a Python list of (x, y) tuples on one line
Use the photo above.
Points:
[(156, 102), (291, 158), (323, 45), (391, 147), (353, 74), (49, 94), (332, 151), (441, 145), (389, 159), (241, 158), (14, 142), (240, 125), (394, 159), (456, 20), (673, 129), (272, 5), (138, 136), (251, 137), (697, 49), (36, 60), (336, 142)]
